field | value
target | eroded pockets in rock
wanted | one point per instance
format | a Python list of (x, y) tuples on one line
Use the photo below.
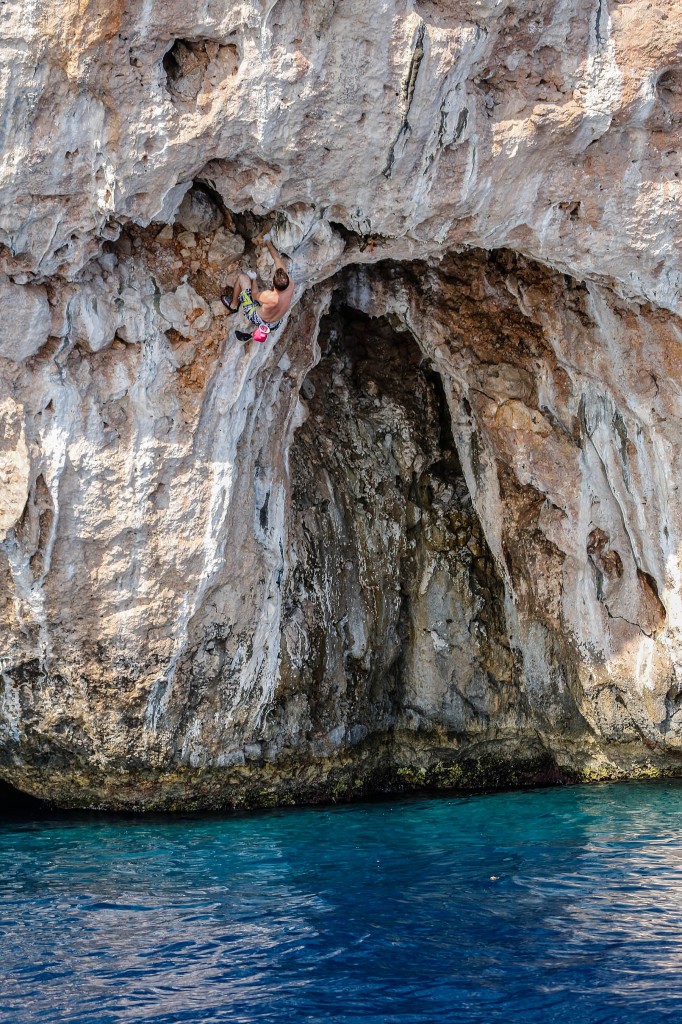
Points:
[(195, 65)]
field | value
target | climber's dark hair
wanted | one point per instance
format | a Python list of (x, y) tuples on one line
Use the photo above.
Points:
[(281, 280)]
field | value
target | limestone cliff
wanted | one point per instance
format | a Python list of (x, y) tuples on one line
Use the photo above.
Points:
[(429, 533)]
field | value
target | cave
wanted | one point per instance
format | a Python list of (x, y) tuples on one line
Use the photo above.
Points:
[(14, 803), (394, 613)]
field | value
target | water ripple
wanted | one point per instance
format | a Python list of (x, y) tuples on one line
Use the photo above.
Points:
[(551, 906)]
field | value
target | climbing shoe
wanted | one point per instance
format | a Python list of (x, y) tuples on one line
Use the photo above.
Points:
[(225, 299)]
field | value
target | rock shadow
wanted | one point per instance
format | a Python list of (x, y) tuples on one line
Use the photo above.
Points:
[(394, 611), (15, 804)]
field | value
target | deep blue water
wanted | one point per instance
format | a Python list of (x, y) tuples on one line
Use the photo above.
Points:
[(545, 906)]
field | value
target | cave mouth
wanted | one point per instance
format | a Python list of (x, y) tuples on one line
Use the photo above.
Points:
[(16, 804), (395, 610)]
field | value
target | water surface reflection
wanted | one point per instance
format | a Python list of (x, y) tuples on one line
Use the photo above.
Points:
[(556, 905)]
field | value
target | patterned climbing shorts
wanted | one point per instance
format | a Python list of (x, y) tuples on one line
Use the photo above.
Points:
[(250, 305)]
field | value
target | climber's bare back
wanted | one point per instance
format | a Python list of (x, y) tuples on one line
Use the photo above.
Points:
[(274, 304)]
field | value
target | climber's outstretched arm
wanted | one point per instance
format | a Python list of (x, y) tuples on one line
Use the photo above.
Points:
[(279, 262)]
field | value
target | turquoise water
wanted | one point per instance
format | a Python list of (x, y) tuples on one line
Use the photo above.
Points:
[(546, 906)]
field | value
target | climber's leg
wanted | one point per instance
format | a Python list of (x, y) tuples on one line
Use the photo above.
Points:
[(231, 302), (250, 306)]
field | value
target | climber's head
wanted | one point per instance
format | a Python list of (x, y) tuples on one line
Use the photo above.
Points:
[(281, 280)]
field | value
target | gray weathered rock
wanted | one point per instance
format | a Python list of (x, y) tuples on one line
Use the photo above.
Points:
[(14, 466), (95, 314), (225, 247), (185, 310), (26, 320)]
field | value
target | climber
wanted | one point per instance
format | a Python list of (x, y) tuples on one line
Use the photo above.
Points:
[(272, 304)]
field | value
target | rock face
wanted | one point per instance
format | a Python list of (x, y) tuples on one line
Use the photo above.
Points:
[(429, 532)]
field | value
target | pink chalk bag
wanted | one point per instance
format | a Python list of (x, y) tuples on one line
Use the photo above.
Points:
[(261, 333)]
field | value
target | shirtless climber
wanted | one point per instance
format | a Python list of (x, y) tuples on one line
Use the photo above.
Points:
[(263, 308)]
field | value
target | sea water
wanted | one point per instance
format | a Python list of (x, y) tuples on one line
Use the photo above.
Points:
[(545, 906)]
